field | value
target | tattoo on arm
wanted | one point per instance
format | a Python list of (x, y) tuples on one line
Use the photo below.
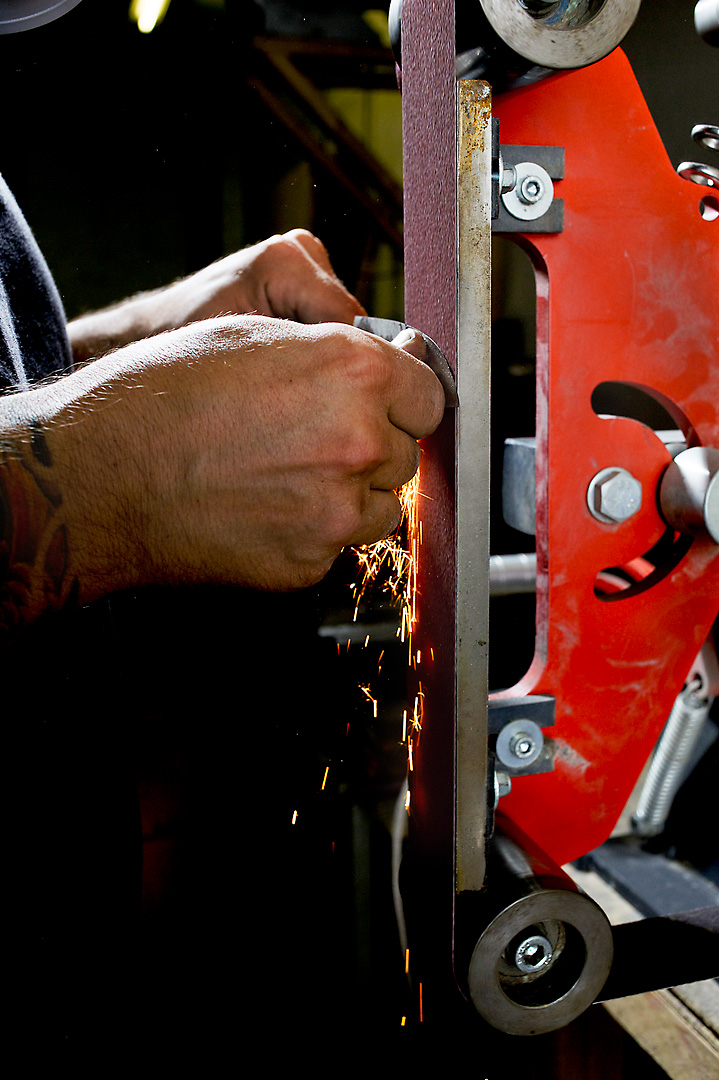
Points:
[(34, 575)]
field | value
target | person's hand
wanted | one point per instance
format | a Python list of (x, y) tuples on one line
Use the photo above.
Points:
[(239, 450), (286, 277)]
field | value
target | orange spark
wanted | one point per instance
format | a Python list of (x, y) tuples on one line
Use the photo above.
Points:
[(393, 564), (393, 557)]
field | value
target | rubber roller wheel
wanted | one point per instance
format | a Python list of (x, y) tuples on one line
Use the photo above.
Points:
[(540, 962), (516, 42)]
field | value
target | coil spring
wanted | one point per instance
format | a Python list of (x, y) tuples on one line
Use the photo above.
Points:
[(671, 756)]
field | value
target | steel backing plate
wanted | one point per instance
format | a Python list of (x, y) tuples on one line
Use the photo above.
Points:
[(582, 943), (561, 34)]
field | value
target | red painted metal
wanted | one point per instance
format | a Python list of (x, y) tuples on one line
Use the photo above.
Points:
[(628, 292)]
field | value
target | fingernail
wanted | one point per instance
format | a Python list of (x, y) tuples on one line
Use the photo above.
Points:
[(406, 337)]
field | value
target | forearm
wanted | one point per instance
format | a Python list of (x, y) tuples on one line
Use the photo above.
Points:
[(286, 277), (33, 538), (201, 296), (99, 332), (58, 484)]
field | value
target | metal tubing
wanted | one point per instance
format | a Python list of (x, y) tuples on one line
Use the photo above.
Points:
[(510, 574)]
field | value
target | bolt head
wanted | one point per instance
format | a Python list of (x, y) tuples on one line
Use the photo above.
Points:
[(502, 785), (531, 190), (533, 954), (614, 495), (522, 745)]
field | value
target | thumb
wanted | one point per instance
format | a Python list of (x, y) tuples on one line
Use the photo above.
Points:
[(412, 342)]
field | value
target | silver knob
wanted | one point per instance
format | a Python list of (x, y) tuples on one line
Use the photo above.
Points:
[(706, 21), (689, 492)]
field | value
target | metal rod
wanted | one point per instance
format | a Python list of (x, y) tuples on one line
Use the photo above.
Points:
[(509, 574)]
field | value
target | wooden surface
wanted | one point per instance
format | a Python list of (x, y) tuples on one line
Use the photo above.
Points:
[(678, 1028)]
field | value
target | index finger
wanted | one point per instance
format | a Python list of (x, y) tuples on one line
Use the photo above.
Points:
[(312, 246), (417, 399), (316, 293)]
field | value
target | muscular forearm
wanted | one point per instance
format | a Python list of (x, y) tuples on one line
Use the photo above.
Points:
[(287, 277), (58, 542), (99, 332), (33, 537)]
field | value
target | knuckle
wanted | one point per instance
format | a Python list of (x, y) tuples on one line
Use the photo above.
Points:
[(304, 245), (393, 515), (301, 234), (362, 451), (366, 366), (311, 572), (436, 405), (342, 522), (413, 462)]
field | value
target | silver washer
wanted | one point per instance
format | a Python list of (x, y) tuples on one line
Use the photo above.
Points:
[(532, 194), (519, 744)]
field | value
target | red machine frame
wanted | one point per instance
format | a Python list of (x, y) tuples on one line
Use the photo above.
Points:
[(627, 293)]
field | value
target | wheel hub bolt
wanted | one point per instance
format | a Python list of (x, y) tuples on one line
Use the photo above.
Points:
[(533, 954)]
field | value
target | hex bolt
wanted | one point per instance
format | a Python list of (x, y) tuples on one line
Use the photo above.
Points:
[(509, 178), (533, 954), (614, 495), (502, 786), (531, 190)]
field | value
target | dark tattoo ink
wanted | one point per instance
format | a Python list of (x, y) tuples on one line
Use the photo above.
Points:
[(33, 538), (38, 442)]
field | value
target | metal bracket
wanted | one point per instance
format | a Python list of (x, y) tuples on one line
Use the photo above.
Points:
[(550, 161), (508, 719)]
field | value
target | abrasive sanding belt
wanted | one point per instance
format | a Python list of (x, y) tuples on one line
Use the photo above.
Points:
[(430, 214)]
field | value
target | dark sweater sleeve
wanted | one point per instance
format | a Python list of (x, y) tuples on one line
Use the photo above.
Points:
[(33, 334)]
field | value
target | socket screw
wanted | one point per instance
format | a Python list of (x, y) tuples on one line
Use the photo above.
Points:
[(531, 190), (533, 954), (522, 745)]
